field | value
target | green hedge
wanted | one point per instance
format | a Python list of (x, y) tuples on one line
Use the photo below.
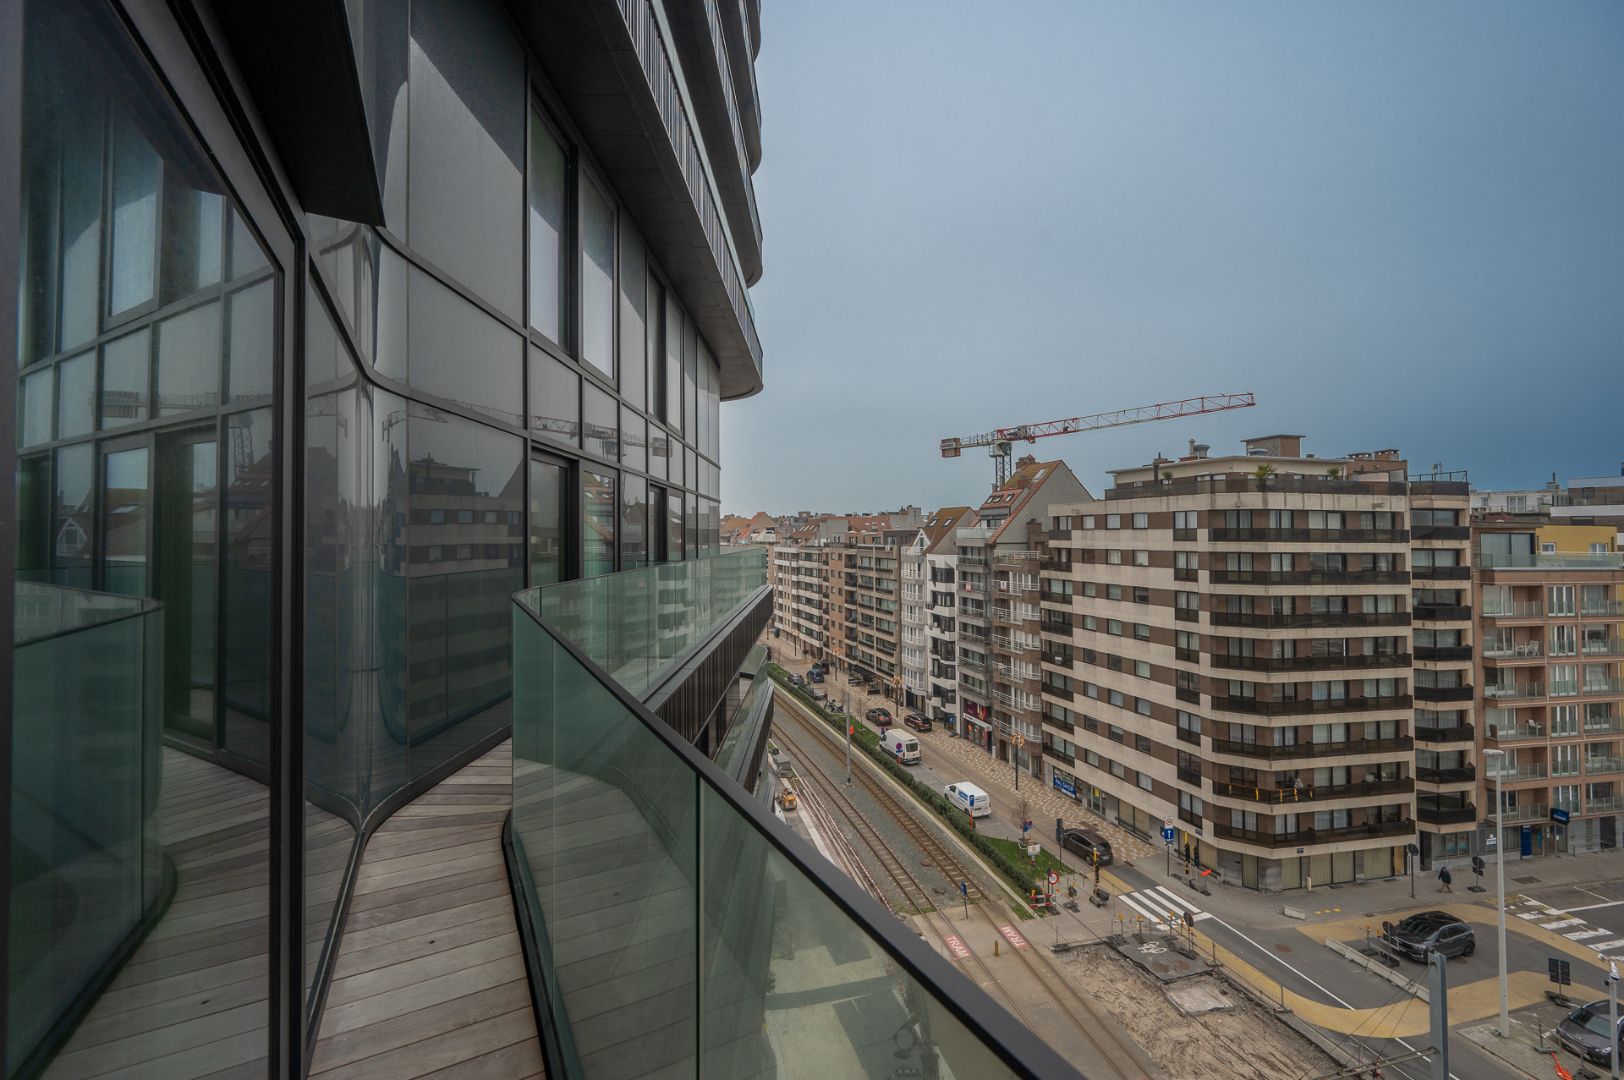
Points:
[(1019, 874)]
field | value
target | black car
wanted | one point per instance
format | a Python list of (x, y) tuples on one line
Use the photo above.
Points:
[(1430, 931), (878, 717), (1584, 1032), (1087, 844)]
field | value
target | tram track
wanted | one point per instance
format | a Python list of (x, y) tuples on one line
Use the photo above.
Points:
[(1125, 1059)]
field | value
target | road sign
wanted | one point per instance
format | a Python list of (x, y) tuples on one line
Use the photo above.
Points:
[(1559, 815), (964, 888), (1167, 835), (1412, 849), (1167, 823), (1054, 877), (1559, 971)]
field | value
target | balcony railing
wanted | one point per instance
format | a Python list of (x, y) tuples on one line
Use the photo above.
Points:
[(1528, 770), (1612, 685), (1509, 650), (1437, 653), (706, 881), (1445, 815), (1557, 560), (1281, 796), (1309, 619), (1301, 706), (1611, 646), (1443, 693), (1516, 732), (1525, 812), (1442, 573), (1516, 609), (1462, 733), (1299, 751), (1604, 763), (1604, 725), (1307, 837), (1604, 804), (1309, 577), (1442, 612), (1606, 607), (1241, 484), (1310, 536), (1314, 663), (1460, 774), (1513, 691)]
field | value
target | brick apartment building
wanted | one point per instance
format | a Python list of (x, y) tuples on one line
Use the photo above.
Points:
[(1273, 651)]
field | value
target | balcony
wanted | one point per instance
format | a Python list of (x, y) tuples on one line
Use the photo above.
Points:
[(1059, 754), (1442, 612), (1605, 804), (1309, 577), (1442, 653), (698, 866), (1463, 733), (1513, 691), (1189, 776), (1604, 763), (1440, 532), (1516, 733), (1441, 573), (1256, 707), (1241, 484), (1306, 837), (1508, 650), (1014, 560), (1306, 751), (1604, 725), (1461, 774), (1526, 812), (1603, 609), (1608, 686), (1445, 815), (1309, 619), (1024, 678), (1528, 770), (1314, 663), (1558, 560), (1611, 646), (1443, 693), (1309, 536), (1017, 618), (1284, 796)]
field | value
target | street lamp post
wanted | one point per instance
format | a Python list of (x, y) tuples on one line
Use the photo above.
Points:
[(1498, 757)]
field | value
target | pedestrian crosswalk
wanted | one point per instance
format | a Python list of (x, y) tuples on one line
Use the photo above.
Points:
[(1565, 923), (1161, 906)]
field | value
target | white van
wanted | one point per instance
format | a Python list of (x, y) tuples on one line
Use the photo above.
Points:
[(969, 797), (903, 747)]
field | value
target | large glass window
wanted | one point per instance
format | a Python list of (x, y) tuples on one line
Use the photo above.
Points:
[(602, 422), (549, 522), (633, 522), (555, 399), (466, 148), (597, 278), (598, 513), (549, 236), (460, 353), (633, 329)]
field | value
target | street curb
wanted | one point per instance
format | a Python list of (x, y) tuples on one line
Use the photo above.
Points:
[(1379, 969)]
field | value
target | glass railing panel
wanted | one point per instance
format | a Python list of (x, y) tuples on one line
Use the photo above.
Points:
[(86, 862), (604, 820)]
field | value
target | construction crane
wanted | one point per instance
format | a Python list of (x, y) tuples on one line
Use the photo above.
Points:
[(999, 441)]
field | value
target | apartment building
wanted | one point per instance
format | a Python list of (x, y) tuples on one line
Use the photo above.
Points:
[(1228, 644), (928, 634), (1550, 602), (998, 612), (869, 645), (942, 630)]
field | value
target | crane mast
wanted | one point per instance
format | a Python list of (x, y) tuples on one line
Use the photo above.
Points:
[(999, 440)]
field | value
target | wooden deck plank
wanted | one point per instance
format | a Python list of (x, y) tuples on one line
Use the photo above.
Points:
[(429, 977)]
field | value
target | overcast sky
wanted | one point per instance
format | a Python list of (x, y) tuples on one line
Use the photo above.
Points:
[(1400, 224)]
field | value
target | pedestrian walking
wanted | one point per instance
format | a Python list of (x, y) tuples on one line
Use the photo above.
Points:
[(1446, 880)]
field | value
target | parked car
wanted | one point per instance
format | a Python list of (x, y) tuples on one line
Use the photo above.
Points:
[(854, 680), (821, 667), (1431, 931), (814, 675), (878, 717), (1086, 843), (1584, 1032), (966, 796), (917, 722), (796, 680)]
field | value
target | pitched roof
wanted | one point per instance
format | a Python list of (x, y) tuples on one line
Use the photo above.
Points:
[(1018, 490)]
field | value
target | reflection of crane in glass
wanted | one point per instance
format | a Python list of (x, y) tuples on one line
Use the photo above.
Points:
[(1001, 438)]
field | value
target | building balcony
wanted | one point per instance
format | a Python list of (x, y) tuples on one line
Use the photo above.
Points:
[(1027, 679), (1015, 560), (1606, 804), (1189, 776), (1284, 796), (1015, 618), (1462, 733), (1374, 830), (1600, 687), (1603, 725), (1527, 732), (1442, 612), (1525, 812), (1445, 815), (1441, 573), (1257, 707), (1309, 536), (1516, 609), (1604, 763), (1309, 619), (1513, 651), (1513, 691), (1312, 750), (1312, 663), (1058, 754), (1461, 774), (1440, 532), (1309, 577), (1603, 610), (704, 869), (1528, 770), (1242, 485), (1558, 560), (1442, 693), (1611, 646)]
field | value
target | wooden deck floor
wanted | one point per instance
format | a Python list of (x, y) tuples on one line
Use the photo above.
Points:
[(429, 979), (191, 1001)]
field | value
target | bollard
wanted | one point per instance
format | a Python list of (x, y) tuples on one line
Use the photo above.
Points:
[(995, 946)]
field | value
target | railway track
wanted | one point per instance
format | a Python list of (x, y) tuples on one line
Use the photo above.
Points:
[(1122, 1058)]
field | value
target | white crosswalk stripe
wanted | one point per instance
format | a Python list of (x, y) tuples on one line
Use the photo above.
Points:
[(1561, 923), (1604, 946), (1160, 904), (1580, 935)]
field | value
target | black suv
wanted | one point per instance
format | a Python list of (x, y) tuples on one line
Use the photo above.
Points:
[(1430, 931), (1584, 1032), (1088, 844)]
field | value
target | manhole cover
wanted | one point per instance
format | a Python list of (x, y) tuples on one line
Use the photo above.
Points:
[(1282, 948), (1525, 880)]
